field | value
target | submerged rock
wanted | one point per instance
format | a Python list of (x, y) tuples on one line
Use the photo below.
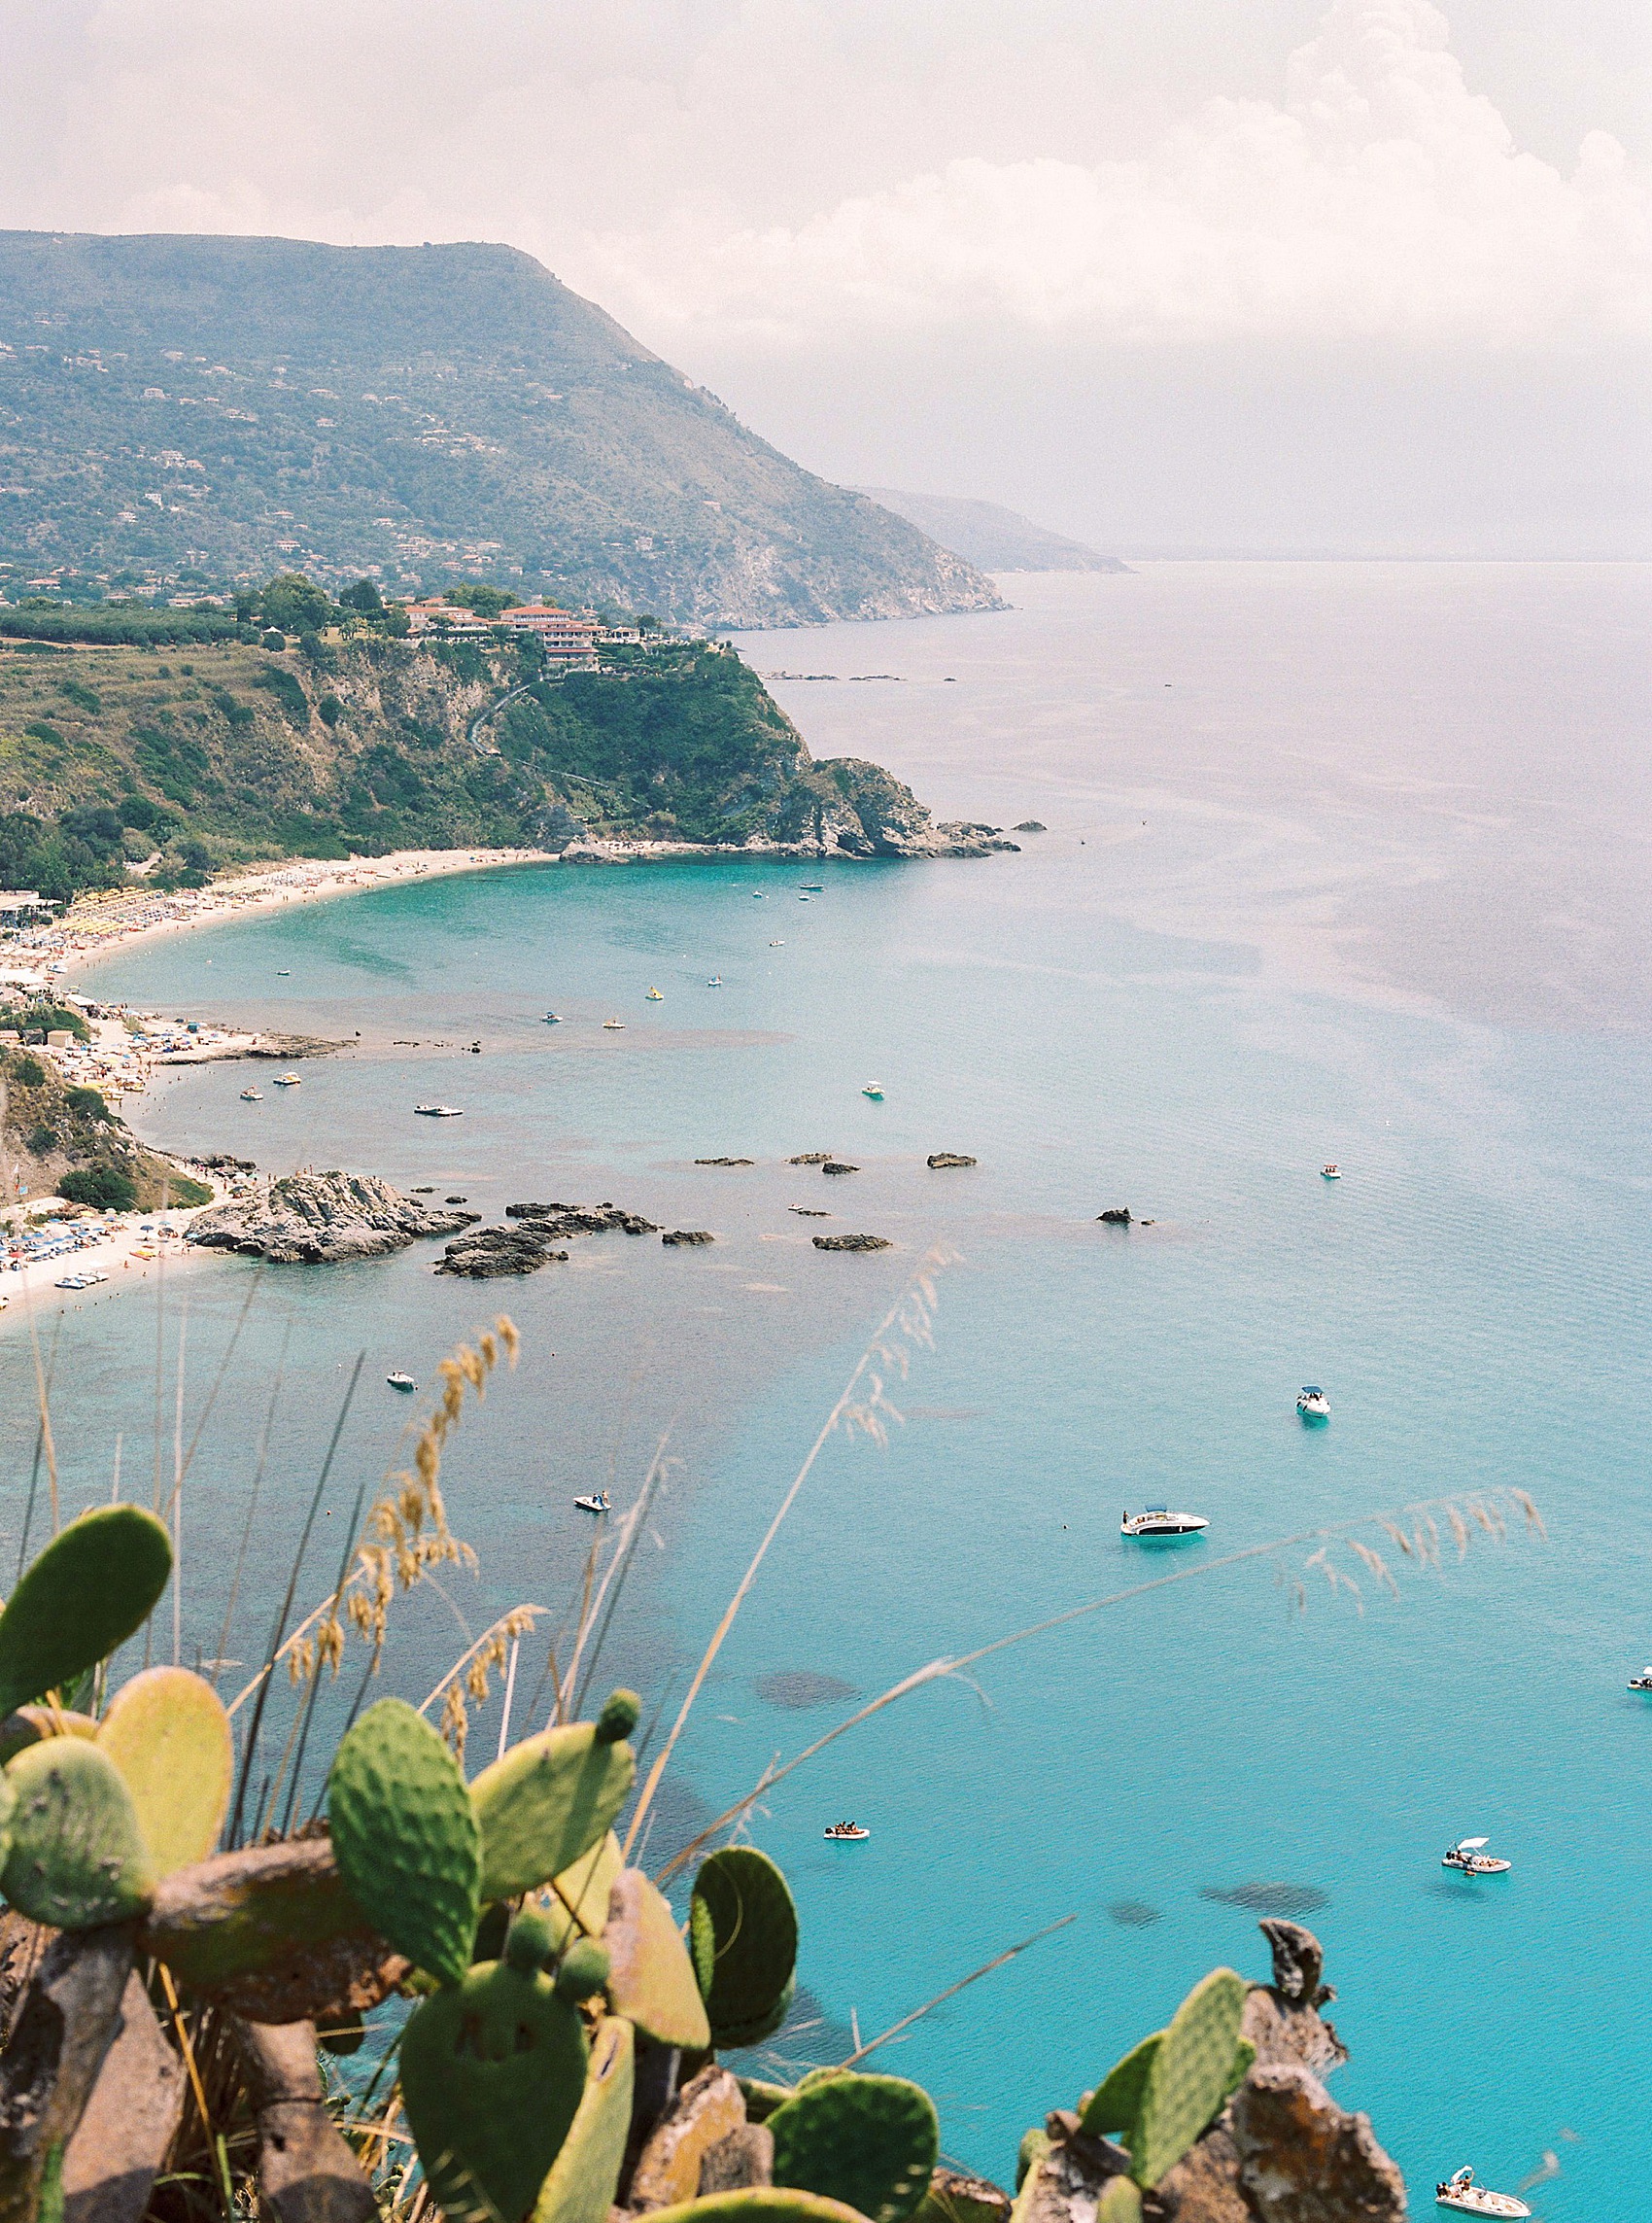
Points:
[(940, 1160), (491, 1252), (316, 1219), (850, 1242), (725, 1161), (582, 1219), (1031, 826)]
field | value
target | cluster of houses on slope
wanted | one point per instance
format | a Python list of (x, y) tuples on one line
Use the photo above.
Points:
[(566, 640)]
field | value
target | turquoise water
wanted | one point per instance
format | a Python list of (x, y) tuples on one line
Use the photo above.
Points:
[(1345, 960)]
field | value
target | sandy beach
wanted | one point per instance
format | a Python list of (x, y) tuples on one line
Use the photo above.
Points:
[(130, 1258)]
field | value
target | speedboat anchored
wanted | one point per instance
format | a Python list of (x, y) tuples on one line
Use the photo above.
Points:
[(401, 1381), (1467, 1858), (598, 1503), (716, 981), (438, 1111), (1159, 1520), (846, 1833), (251, 1096), (289, 1080), (1470, 2199), (1642, 1681), (614, 1026), (1312, 1403), (874, 1090), (552, 1019), (1330, 1173)]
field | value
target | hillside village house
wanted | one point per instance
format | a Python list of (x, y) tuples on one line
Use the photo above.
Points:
[(566, 640)]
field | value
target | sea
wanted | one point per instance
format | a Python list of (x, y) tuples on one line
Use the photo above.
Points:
[(1336, 862)]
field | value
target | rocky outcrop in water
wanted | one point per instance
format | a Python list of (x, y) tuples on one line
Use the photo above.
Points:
[(488, 1254), (1119, 1217), (850, 1242), (938, 1161), (317, 1219), (688, 1235), (836, 1166), (582, 1219)]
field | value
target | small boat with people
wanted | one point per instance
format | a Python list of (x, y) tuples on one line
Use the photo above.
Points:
[(1460, 2191), (289, 1080), (654, 996), (552, 1019), (251, 1096), (438, 1111), (846, 1833), (1330, 1173), (596, 1502), (874, 1090), (1642, 1681), (811, 886), (402, 1381), (1469, 1858), (1159, 1520), (1312, 1403), (613, 1025), (716, 981)]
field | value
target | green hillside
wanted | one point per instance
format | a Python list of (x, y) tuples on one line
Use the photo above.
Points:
[(189, 760), (175, 409)]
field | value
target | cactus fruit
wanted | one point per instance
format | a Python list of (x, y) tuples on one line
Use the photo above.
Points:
[(759, 2203), (95, 1583), (169, 1735), (1120, 2202), (870, 2141), (493, 2074), (742, 1933), (405, 1837), (1117, 2101), (651, 1978), (77, 1856), (551, 1798), (585, 2174), (1187, 2078)]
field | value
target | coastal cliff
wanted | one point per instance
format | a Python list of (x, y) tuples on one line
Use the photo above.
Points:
[(117, 761)]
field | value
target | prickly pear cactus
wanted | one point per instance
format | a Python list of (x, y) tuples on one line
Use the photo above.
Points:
[(1120, 2202), (651, 1980), (1117, 2101), (33, 1725), (168, 1734), (759, 2203), (870, 2141), (585, 2174), (95, 1583), (1189, 2076), (552, 1797), (493, 2075), (405, 1836), (584, 1886), (77, 1856), (742, 1933)]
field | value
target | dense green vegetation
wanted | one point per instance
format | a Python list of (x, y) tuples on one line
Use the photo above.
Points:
[(362, 744), (206, 409)]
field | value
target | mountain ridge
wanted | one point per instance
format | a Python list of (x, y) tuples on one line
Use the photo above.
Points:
[(989, 535), (218, 408)]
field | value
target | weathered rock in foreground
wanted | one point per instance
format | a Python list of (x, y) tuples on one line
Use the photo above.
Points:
[(1302, 2159), (940, 1160), (582, 1219), (851, 1242), (487, 1253), (317, 1219)]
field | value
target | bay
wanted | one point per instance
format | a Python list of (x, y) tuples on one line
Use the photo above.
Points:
[(1342, 862)]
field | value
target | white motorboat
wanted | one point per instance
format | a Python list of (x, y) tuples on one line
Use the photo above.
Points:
[(289, 1080), (845, 1833), (614, 1026), (1331, 1172), (1468, 1860), (1470, 2199), (552, 1019), (716, 981), (438, 1111), (1159, 1520), (251, 1096), (1642, 1681), (598, 1503), (401, 1381), (1312, 1403)]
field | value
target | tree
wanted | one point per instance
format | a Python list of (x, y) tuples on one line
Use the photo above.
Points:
[(485, 601), (296, 604), (365, 597)]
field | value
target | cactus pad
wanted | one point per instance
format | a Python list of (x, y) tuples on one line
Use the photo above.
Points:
[(1189, 2076), (1117, 2101), (651, 1977), (77, 1856), (585, 2174), (169, 1735), (870, 2141), (549, 1799), (742, 1933), (93, 1584), (405, 1837), (33, 1725), (493, 2074), (1120, 2202), (241, 1913), (759, 2203)]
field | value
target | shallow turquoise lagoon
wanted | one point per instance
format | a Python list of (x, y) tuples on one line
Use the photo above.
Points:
[(1471, 1294)]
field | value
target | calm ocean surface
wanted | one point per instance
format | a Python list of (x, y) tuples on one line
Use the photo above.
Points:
[(1343, 862)]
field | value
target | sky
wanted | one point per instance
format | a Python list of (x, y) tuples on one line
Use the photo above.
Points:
[(1173, 275)]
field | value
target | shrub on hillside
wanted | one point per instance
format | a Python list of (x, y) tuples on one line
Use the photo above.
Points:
[(105, 1187)]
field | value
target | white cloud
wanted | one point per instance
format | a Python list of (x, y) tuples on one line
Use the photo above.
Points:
[(1381, 199)]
